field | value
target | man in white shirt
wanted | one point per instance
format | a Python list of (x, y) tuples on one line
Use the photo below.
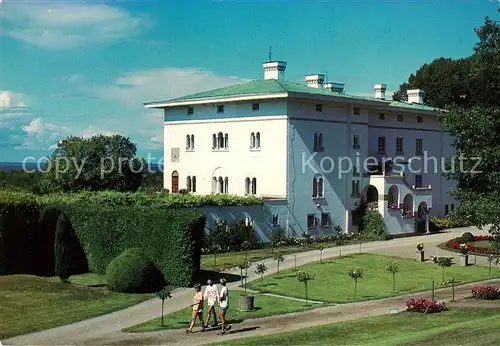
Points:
[(212, 297)]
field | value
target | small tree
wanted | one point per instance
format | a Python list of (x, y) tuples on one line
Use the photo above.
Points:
[(492, 257), (245, 246), (393, 268), (320, 247), (278, 257), (356, 274), (305, 277), (215, 249), (444, 262), (340, 240), (243, 265), (164, 294), (261, 269), (360, 236)]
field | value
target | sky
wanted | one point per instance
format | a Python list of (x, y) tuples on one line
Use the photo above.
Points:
[(86, 67)]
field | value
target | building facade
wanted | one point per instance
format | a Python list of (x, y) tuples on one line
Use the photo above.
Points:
[(314, 153)]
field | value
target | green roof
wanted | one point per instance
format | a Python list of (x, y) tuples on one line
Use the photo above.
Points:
[(272, 86)]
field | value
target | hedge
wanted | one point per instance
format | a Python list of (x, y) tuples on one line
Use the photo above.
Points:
[(129, 198)]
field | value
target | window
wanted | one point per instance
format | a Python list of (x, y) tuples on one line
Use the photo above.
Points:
[(381, 116), (325, 219), (255, 107), (251, 186), (188, 183), (418, 180), (220, 185), (381, 144), (317, 187), (420, 119), (399, 145), (220, 141), (255, 140), (400, 117), (452, 207), (191, 183), (446, 209), (214, 185), (419, 147), (355, 188), (355, 142), (311, 221), (319, 107), (226, 185), (220, 109), (355, 170), (318, 142), (276, 220), (356, 111), (190, 142), (190, 110), (358, 188)]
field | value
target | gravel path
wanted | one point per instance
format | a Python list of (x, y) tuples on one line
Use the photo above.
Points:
[(108, 327)]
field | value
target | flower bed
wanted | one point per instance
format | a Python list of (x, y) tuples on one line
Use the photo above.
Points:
[(485, 292), (425, 306), (456, 244)]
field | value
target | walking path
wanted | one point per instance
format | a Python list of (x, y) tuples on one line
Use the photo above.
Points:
[(109, 326), (293, 298)]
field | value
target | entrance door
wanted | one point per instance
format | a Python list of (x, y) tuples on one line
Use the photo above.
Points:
[(175, 182)]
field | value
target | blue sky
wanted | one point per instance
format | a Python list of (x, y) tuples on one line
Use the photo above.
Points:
[(83, 68)]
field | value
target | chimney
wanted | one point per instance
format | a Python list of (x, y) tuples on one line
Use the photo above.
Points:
[(337, 87), (416, 96), (274, 70), (315, 80), (380, 91)]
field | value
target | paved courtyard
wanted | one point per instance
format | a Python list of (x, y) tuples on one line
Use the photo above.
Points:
[(107, 329)]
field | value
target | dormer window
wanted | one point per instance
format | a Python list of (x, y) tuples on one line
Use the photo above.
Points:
[(356, 111), (400, 117), (255, 107), (220, 109), (190, 110), (319, 107)]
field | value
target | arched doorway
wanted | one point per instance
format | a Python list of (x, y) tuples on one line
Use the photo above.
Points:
[(421, 216), (370, 197), (408, 207), (175, 182), (393, 198)]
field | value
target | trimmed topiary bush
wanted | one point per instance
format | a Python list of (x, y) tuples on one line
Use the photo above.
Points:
[(468, 237), (62, 248), (133, 272)]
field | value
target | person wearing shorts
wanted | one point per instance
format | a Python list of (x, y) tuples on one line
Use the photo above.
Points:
[(197, 309), (223, 305), (212, 297)]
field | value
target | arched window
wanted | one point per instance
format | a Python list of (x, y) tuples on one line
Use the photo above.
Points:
[(320, 142), (214, 141), (192, 142), (226, 185), (252, 140), (315, 145), (188, 142), (214, 185), (226, 141), (254, 186), (257, 140), (220, 185), (353, 187), (247, 186), (220, 140), (315, 188), (188, 183), (320, 187), (358, 189), (193, 183)]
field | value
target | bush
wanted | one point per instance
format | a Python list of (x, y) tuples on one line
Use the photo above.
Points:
[(485, 292), (62, 248), (133, 272), (440, 223), (468, 237), (423, 305), (278, 236), (372, 226), (230, 236)]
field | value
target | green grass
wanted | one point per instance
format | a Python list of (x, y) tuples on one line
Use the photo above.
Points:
[(31, 303), (229, 260), (88, 279), (452, 327), (264, 306), (332, 283)]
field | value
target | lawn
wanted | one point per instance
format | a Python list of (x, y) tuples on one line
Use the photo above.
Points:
[(332, 284), (264, 306), (452, 327), (229, 260), (31, 303)]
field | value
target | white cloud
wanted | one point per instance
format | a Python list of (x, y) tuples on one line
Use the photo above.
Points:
[(11, 99), (62, 25), (135, 88), (92, 131)]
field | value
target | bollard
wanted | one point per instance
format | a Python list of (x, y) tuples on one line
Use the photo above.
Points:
[(453, 289), (433, 292)]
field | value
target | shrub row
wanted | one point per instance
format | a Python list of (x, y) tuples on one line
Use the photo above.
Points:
[(439, 223), (455, 244), (164, 199), (485, 292), (171, 238), (423, 305)]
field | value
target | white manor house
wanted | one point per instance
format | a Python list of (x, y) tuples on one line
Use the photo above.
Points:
[(311, 151)]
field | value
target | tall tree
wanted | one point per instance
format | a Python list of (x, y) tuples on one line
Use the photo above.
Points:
[(96, 163)]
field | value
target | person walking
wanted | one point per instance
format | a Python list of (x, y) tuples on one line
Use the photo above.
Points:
[(211, 295), (223, 305), (197, 309)]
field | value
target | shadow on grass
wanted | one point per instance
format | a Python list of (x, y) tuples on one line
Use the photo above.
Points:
[(247, 329), (203, 275)]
